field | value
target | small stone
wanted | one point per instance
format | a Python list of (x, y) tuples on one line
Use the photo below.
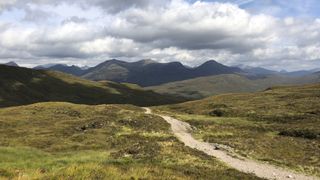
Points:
[(289, 176)]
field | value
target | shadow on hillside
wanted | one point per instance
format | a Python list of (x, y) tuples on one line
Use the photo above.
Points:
[(41, 86)]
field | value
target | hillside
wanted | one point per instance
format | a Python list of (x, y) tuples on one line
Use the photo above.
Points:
[(148, 72), (19, 86), (276, 101), (279, 125), (228, 83), (257, 70), (73, 70), (68, 141)]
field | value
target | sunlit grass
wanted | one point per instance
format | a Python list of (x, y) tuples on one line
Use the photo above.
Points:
[(280, 125), (68, 141)]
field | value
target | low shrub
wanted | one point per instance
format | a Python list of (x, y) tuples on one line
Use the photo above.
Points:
[(305, 133)]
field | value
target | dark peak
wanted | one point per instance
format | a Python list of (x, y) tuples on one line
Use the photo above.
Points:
[(65, 66), (211, 63), (45, 66), (60, 65), (112, 61), (175, 63), (107, 64), (12, 63)]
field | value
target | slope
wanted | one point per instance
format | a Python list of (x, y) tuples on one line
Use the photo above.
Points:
[(68, 141), (73, 70), (228, 83), (182, 131), (20, 86), (279, 125)]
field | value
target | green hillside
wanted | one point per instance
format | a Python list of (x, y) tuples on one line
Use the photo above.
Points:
[(279, 125), (68, 141), (19, 86), (228, 83)]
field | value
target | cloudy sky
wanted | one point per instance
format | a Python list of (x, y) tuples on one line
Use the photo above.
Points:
[(276, 34)]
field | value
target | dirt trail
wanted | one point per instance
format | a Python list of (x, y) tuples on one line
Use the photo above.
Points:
[(182, 131)]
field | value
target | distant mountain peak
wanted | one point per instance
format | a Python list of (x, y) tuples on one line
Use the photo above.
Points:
[(46, 66), (110, 61), (62, 65), (73, 69), (210, 62), (12, 63)]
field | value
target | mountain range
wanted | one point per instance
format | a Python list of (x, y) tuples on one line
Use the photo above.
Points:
[(144, 72), (151, 73), (175, 79)]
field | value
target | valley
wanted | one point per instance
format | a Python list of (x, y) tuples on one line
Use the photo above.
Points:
[(159, 90), (57, 126), (176, 79)]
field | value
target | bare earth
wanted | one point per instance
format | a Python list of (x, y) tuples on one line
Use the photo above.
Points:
[(182, 131)]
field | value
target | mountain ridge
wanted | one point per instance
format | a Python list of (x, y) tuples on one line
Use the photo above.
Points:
[(20, 86), (147, 72)]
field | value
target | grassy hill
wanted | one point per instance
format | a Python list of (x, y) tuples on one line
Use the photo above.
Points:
[(19, 86), (228, 83), (68, 141), (279, 125)]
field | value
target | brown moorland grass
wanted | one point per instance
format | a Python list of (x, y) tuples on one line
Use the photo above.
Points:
[(279, 125), (67, 141)]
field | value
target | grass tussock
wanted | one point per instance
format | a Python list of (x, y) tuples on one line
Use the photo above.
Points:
[(279, 125), (68, 141)]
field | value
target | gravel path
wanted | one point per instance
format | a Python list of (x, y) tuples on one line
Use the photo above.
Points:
[(182, 131)]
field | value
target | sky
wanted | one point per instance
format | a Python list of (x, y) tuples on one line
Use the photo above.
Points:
[(275, 34)]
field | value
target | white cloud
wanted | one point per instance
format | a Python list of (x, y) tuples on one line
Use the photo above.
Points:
[(200, 25), (114, 47), (4, 4), (77, 31)]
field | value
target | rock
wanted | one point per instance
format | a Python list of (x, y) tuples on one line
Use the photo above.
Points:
[(289, 176)]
